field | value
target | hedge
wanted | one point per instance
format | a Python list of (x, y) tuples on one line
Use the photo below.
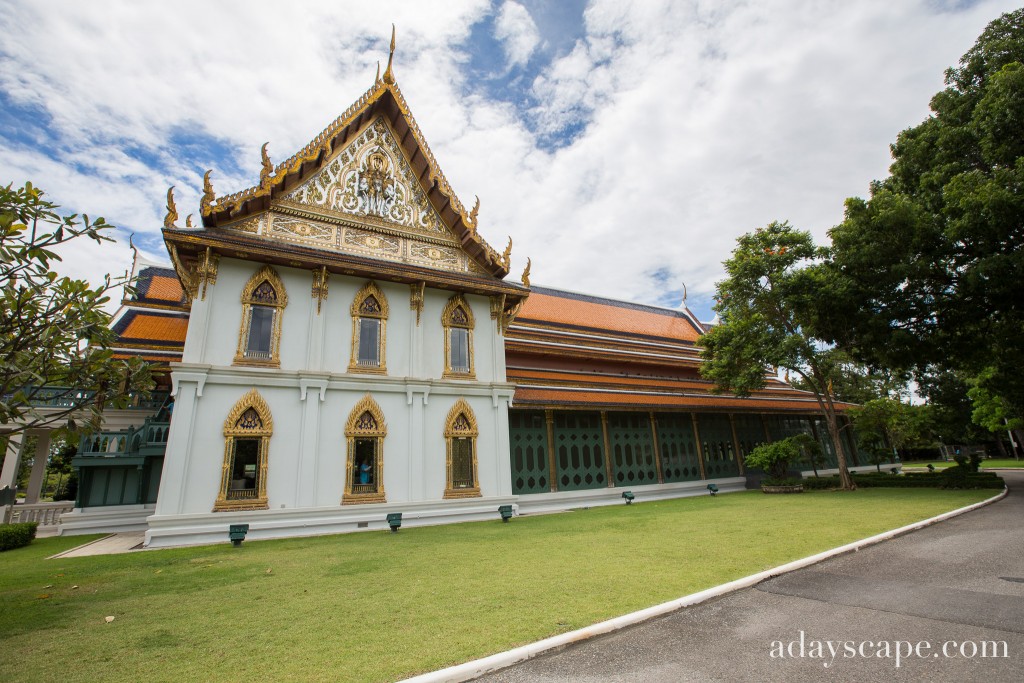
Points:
[(913, 480), (17, 535)]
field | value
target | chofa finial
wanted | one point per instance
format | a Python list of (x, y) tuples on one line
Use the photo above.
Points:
[(377, 79), (268, 167), (172, 211), (206, 203), (506, 257), (526, 274), (389, 75)]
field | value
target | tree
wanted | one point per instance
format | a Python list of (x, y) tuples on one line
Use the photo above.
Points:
[(886, 425), (45, 319), (854, 382), (769, 304), (926, 273)]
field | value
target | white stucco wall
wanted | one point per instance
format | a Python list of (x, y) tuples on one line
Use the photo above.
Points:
[(311, 397)]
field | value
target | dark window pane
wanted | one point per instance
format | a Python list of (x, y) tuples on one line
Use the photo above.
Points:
[(459, 343), (244, 469), (462, 463), (369, 342), (365, 466), (261, 324)]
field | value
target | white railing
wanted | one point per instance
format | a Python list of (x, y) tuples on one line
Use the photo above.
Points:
[(47, 514)]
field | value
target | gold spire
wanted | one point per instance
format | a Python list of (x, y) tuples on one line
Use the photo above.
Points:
[(377, 79), (172, 212), (526, 274), (268, 167), (206, 203), (389, 76)]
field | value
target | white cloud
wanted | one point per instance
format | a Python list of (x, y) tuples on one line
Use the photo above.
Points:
[(700, 120), (516, 29)]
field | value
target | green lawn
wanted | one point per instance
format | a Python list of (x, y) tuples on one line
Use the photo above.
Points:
[(377, 606), (985, 464)]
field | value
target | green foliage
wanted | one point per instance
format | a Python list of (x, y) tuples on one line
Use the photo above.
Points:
[(990, 410), (45, 319), (17, 535), (884, 426), (927, 480), (925, 275), (769, 306), (776, 457)]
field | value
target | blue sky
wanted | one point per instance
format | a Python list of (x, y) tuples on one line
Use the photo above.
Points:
[(623, 146)]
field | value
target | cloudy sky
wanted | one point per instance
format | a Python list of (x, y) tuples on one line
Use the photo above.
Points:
[(624, 146)]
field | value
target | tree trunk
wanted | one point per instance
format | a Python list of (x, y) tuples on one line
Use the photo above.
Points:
[(833, 431)]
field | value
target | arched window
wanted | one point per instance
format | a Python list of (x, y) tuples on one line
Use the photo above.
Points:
[(247, 432), (460, 432), (364, 468), (369, 326), (263, 302), (458, 323)]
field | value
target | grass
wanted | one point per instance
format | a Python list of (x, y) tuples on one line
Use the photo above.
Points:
[(377, 606), (987, 464)]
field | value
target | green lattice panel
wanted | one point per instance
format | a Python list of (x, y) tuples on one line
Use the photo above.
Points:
[(632, 450), (677, 447), (579, 451), (785, 426), (719, 451), (528, 438), (749, 432)]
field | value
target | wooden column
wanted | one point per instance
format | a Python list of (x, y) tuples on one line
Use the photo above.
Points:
[(767, 434), (736, 443), (700, 449), (657, 453), (609, 473), (549, 418)]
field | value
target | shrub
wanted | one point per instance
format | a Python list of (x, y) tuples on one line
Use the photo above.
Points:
[(784, 481), (17, 535)]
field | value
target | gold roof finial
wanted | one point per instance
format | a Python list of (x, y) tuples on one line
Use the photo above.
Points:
[(506, 258), (473, 215), (206, 203), (526, 274), (389, 76), (188, 221), (377, 79), (268, 167), (172, 211)]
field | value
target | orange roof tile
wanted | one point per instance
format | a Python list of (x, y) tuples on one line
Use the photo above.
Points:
[(566, 308), (157, 328), (163, 288)]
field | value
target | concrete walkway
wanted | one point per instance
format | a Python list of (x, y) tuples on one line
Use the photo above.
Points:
[(108, 545), (961, 580)]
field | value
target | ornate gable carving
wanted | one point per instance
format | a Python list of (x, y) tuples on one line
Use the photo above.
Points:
[(371, 181), (250, 416), (366, 419)]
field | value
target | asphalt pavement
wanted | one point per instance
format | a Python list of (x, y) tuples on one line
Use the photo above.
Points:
[(945, 603)]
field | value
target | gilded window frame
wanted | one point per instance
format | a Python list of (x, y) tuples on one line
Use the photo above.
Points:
[(265, 274), (369, 289), (455, 302), (452, 432), (233, 431), (354, 431)]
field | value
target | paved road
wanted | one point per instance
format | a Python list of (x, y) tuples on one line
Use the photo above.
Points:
[(961, 580)]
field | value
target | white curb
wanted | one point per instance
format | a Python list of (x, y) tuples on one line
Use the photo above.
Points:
[(478, 667)]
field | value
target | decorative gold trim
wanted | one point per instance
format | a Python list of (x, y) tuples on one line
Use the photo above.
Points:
[(233, 430), (189, 281), (267, 168), (526, 273), (206, 270), (206, 203), (416, 292), (448, 323), (172, 211), (497, 309), (609, 471), (700, 448), (506, 257), (657, 449), (367, 290), (457, 429), (319, 291), (354, 429), (269, 275)]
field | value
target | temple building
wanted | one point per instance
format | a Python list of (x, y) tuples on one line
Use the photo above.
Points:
[(339, 342)]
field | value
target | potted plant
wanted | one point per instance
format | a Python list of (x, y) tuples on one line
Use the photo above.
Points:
[(775, 458)]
